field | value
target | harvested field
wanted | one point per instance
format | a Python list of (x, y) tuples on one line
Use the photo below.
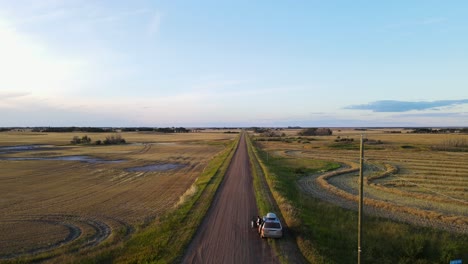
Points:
[(413, 184), (54, 206)]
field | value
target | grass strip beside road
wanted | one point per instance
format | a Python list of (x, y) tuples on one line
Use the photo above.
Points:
[(165, 240), (262, 195), (284, 191), (269, 200)]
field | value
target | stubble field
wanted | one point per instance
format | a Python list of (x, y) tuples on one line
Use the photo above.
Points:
[(415, 186), (57, 197), (408, 177)]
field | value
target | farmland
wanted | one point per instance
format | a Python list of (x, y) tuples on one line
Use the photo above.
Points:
[(58, 198), (415, 193)]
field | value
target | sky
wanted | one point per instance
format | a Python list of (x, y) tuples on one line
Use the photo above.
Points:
[(233, 63)]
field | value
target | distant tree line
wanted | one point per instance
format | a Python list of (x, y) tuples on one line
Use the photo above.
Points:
[(102, 130), (71, 129), (160, 130), (439, 130), (133, 129), (261, 130), (315, 132)]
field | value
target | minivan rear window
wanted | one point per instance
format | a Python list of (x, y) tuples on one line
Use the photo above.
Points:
[(272, 225)]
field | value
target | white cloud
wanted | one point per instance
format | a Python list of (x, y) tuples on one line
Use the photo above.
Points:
[(27, 66), (6, 95)]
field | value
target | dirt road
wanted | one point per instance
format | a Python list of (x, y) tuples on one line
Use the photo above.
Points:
[(225, 235)]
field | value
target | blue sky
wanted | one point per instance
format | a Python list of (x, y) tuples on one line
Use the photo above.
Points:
[(233, 63)]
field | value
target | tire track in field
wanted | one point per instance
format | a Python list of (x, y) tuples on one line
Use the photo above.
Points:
[(74, 224)]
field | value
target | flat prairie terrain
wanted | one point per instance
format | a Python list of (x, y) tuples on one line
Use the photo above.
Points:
[(408, 177), (58, 197)]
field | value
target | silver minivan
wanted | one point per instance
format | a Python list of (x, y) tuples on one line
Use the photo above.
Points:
[(271, 226)]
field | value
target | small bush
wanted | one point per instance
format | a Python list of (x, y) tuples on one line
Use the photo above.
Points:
[(77, 140), (114, 140)]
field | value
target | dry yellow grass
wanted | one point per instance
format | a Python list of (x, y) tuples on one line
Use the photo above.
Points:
[(55, 205)]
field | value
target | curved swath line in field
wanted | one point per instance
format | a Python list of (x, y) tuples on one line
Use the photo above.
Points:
[(71, 222), (129, 229), (74, 233), (322, 181), (443, 172), (388, 172), (460, 221), (145, 149), (102, 230)]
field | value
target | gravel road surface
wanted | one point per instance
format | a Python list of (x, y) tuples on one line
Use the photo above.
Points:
[(225, 235)]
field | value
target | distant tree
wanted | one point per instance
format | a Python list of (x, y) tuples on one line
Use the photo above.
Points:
[(114, 140), (85, 140), (76, 140), (307, 132), (324, 132)]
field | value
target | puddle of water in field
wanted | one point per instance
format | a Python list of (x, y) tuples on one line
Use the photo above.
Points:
[(82, 158), (156, 167), (4, 150)]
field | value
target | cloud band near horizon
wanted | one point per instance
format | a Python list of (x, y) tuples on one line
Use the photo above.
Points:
[(405, 106)]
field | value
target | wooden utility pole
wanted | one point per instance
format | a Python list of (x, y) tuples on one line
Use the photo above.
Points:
[(361, 194)]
